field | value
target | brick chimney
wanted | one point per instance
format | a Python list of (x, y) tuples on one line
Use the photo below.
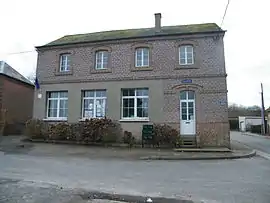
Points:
[(158, 22)]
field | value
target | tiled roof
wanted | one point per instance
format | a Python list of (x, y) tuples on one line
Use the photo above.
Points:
[(6, 69), (135, 33)]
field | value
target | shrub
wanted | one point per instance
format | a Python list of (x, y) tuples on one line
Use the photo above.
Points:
[(60, 131), (100, 130), (165, 134), (36, 129), (128, 138)]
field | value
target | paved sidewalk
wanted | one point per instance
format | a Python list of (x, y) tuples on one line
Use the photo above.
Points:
[(13, 145)]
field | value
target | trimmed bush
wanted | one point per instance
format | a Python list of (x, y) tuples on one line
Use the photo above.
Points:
[(36, 129), (101, 130), (165, 135), (60, 131)]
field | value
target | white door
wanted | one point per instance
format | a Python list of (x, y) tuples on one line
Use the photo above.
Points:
[(187, 113)]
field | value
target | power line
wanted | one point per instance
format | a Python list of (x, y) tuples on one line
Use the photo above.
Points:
[(225, 13), (21, 52)]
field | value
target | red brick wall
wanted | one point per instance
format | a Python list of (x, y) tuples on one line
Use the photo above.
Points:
[(17, 98)]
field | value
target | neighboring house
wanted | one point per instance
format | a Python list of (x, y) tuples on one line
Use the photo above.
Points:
[(174, 75), (16, 99), (245, 122), (268, 120)]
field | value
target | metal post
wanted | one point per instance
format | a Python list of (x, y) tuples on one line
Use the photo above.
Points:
[(263, 116)]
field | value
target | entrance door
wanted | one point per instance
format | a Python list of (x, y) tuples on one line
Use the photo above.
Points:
[(187, 113)]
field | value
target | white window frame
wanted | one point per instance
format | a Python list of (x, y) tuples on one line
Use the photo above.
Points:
[(95, 98), (102, 60), (135, 97), (66, 66), (186, 53), (143, 64), (58, 99)]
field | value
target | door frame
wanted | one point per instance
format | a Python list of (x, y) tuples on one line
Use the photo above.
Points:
[(194, 110)]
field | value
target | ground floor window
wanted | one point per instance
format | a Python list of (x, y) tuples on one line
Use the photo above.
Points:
[(94, 103), (135, 103), (57, 104)]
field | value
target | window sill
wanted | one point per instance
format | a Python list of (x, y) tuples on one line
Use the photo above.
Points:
[(193, 66), (63, 73), (54, 119), (144, 68), (134, 120), (83, 119), (107, 70)]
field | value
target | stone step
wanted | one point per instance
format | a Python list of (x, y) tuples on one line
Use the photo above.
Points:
[(188, 142)]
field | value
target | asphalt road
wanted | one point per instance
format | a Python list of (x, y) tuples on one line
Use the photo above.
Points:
[(243, 180), (258, 143)]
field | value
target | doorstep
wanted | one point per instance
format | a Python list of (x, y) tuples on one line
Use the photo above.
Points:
[(202, 150)]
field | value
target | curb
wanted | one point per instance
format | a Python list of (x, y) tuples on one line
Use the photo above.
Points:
[(129, 198), (257, 135), (247, 155)]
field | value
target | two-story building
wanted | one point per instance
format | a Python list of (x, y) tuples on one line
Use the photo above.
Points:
[(165, 74)]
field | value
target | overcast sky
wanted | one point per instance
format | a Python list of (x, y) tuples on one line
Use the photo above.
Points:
[(29, 23)]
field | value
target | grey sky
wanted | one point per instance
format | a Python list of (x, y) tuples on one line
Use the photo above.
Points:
[(28, 23)]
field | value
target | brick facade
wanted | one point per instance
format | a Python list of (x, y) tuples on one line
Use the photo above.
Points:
[(208, 77), (17, 98)]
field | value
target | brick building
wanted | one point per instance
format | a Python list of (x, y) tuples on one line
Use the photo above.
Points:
[(16, 100), (165, 74)]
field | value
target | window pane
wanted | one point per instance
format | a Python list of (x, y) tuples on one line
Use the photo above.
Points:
[(189, 61), (183, 95), (62, 112), (128, 112), (139, 112), (52, 104), (184, 117), (125, 112), (130, 103), (52, 113), (145, 57), (100, 108), (190, 104), (63, 94), (142, 92), (128, 92), (182, 61), (100, 93), (53, 94), (88, 111), (138, 63), (191, 111), (89, 93), (182, 55), (189, 49), (182, 49), (191, 95), (184, 110), (183, 104), (64, 104)]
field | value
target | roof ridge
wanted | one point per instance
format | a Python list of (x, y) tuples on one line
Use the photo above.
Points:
[(134, 33)]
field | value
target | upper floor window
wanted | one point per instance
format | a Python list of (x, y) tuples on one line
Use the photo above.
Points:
[(94, 103), (64, 62), (57, 105), (186, 56), (142, 57), (102, 60)]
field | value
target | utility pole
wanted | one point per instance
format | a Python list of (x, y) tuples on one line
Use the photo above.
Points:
[(263, 116)]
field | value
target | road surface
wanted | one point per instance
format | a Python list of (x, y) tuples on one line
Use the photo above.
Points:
[(261, 144), (38, 179)]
